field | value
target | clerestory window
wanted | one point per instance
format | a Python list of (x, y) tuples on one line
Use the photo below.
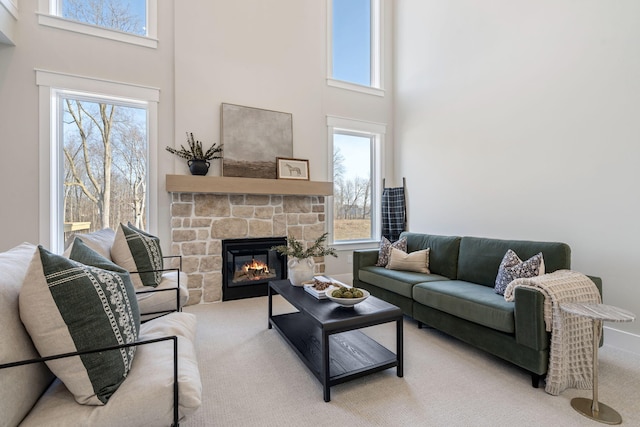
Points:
[(354, 58), (130, 21)]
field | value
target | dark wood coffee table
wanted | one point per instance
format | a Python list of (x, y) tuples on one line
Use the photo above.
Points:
[(325, 335)]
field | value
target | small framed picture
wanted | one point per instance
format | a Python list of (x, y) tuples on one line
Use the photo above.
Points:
[(292, 168)]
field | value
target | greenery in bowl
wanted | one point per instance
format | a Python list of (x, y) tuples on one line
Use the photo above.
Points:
[(195, 151), (295, 248)]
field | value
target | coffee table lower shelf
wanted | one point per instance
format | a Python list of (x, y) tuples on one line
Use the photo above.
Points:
[(352, 354)]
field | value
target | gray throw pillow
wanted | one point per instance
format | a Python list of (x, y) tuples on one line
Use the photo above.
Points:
[(68, 306), (512, 267)]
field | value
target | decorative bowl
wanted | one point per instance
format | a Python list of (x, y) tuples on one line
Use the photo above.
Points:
[(347, 302)]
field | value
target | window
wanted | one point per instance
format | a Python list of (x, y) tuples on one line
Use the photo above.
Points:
[(356, 169), (354, 44), (99, 153), (131, 21), (129, 16), (104, 148)]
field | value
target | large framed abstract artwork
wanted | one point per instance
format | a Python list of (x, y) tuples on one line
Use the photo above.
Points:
[(253, 138)]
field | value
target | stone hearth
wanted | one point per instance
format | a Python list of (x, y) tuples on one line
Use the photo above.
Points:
[(199, 222)]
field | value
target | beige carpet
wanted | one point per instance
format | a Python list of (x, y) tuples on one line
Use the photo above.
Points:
[(252, 378)]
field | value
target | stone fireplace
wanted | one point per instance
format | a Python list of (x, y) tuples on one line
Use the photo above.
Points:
[(201, 221)]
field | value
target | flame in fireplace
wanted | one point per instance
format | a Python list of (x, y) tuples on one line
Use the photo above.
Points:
[(256, 267), (253, 270)]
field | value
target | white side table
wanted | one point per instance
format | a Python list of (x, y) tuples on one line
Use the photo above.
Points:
[(591, 408)]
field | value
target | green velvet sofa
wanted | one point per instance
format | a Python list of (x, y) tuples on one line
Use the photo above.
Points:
[(458, 296)]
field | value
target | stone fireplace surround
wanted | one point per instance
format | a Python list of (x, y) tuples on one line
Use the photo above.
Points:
[(200, 221)]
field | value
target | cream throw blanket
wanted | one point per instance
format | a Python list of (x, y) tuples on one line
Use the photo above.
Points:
[(571, 353)]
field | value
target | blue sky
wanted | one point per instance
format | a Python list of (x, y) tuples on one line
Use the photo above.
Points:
[(352, 41), (352, 63), (356, 153), (139, 8), (136, 7)]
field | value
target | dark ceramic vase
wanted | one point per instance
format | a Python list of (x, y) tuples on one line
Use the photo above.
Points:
[(198, 167)]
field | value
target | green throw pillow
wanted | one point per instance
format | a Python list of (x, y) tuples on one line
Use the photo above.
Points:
[(138, 251), (68, 306)]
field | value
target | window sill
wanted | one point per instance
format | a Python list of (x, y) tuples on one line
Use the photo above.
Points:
[(355, 87), (92, 30), (356, 245)]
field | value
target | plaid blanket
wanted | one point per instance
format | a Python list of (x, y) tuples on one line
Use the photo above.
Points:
[(393, 213)]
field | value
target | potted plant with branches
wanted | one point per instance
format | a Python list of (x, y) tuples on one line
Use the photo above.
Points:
[(197, 158), (300, 260)]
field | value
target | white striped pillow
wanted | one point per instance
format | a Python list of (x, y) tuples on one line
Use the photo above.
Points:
[(417, 261)]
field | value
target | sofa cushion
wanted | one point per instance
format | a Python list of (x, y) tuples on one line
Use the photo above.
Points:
[(100, 241), (399, 282), (146, 397), (160, 299), (480, 257), (21, 385), (512, 268), (417, 261), (136, 251), (67, 306), (478, 304), (385, 249), (443, 257)]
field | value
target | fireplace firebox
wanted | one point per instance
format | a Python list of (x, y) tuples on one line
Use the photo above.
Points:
[(249, 265)]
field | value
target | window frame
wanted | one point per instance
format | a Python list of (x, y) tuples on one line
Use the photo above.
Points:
[(376, 87), (51, 164), (377, 132), (49, 15)]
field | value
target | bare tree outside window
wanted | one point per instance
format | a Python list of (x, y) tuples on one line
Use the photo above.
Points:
[(105, 163), (123, 15), (104, 144), (352, 187)]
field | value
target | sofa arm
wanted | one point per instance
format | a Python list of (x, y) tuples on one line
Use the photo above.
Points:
[(529, 318), (173, 338), (363, 258)]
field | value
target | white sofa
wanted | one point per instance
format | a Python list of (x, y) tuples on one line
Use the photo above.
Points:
[(30, 395)]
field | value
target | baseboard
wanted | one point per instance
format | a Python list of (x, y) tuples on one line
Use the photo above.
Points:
[(622, 340)]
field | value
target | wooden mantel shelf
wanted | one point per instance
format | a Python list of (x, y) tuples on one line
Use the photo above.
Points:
[(232, 185)]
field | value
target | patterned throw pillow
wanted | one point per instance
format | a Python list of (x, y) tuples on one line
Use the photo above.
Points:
[(67, 306), (417, 261), (136, 251), (385, 249), (512, 267)]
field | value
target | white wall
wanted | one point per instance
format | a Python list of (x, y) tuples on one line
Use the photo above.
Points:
[(52, 49), (261, 54), (269, 55), (519, 120)]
